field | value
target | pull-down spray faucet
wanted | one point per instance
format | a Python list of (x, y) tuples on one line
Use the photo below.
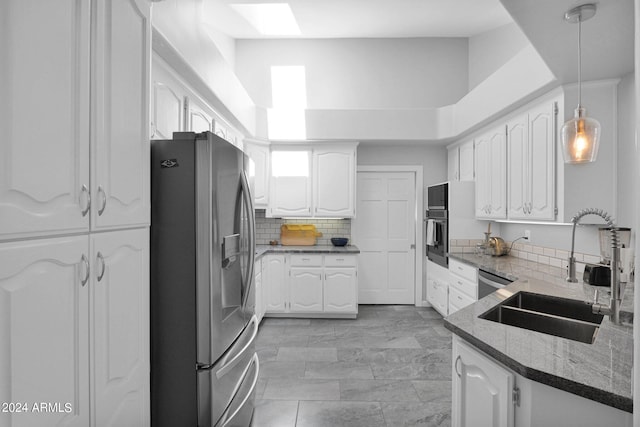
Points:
[(613, 309)]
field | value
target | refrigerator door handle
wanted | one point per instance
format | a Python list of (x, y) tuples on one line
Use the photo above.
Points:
[(226, 418), (246, 193), (233, 362)]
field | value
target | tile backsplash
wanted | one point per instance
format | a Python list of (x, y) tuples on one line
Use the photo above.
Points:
[(268, 229), (539, 254)]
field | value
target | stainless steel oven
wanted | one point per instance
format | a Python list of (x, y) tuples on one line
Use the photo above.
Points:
[(437, 224), (437, 237)]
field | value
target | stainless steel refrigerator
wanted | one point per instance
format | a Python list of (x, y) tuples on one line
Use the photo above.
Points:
[(204, 368)]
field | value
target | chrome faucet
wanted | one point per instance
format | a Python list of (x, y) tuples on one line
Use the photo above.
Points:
[(613, 309)]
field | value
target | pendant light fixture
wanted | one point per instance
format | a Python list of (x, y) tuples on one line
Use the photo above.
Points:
[(580, 135)]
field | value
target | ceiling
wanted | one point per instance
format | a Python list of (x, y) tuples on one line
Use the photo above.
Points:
[(368, 18)]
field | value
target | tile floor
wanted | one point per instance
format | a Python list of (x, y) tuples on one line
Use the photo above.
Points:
[(389, 367)]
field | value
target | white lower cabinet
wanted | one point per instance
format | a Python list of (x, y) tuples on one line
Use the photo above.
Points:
[(482, 389), (438, 287), (258, 290), (463, 285), (485, 393), (274, 284), (312, 284), (75, 329)]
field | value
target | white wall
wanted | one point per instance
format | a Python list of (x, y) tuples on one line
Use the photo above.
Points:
[(491, 50), (361, 73), (433, 159)]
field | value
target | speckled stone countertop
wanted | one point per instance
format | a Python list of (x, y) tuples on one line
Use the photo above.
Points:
[(316, 249), (601, 371)]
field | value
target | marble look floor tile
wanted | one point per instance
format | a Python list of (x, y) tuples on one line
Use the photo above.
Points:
[(360, 331), (394, 355), (343, 414), (431, 342), (429, 314), (310, 330), (281, 340), (271, 329), (411, 371), (416, 414), (338, 370), (389, 342), (275, 413), (378, 391), (302, 389), (332, 341), (433, 390), (260, 386), (277, 369), (307, 354)]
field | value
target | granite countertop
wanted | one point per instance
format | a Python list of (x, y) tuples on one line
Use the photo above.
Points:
[(601, 371), (315, 249)]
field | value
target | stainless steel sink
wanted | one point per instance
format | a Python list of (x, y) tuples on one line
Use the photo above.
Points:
[(550, 315)]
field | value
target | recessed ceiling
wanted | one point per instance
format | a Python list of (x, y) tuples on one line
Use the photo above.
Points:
[(367, 18)]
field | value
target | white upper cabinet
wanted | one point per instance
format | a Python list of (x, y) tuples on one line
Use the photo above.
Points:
[(460, 162), (44, 117), (334, 182), (198, 118), (313, 181), (466, 159), (120, 131), (260, 155), (490, 167), (58, 177), (531, 164)]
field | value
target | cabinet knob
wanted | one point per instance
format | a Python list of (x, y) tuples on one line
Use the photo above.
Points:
[(103, 200), (102, 264), (85, 261)]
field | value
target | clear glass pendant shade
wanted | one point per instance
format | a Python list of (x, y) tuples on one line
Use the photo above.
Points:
[(580, 138)]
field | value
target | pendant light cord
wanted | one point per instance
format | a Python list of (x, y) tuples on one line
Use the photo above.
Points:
[(580, 61)]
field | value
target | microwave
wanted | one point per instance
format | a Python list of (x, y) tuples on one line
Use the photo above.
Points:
[(438, 196)]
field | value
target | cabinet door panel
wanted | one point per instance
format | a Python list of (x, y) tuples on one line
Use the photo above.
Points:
[(481, 390), (340, 290), (166, 112), (542, 161), (334, 182), (518, 167), (498, 192), (44, 330), (260, 156), (44, 117), (483, 176), (305, 287), (466, 160), (274, 283), (120, 303), (121, 64)]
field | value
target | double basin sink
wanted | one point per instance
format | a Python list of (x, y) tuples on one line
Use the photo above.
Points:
[(547, 314)]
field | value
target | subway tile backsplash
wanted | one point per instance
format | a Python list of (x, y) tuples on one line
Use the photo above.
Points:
[(543, 255), (268, 229)]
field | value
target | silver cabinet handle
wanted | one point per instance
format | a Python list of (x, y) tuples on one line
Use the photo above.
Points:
[(103, 198), (85, 190), (455, 366), (103, 265), (85, 261)]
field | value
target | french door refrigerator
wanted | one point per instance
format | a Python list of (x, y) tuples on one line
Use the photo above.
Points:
[(204, 368)]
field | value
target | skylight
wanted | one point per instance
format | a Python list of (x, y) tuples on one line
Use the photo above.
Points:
[(270, 19)]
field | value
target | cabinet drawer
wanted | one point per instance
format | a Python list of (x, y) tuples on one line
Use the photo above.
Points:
[(306, 260), (458, 300), (340, 261), (464, 270), (465, 286)]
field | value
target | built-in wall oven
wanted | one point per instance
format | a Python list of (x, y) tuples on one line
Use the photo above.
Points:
[(437, 224)]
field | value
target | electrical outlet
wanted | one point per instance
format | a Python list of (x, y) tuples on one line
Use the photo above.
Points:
[(527, 234)]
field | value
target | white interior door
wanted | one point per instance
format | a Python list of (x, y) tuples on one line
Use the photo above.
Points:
[(384, 230)]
